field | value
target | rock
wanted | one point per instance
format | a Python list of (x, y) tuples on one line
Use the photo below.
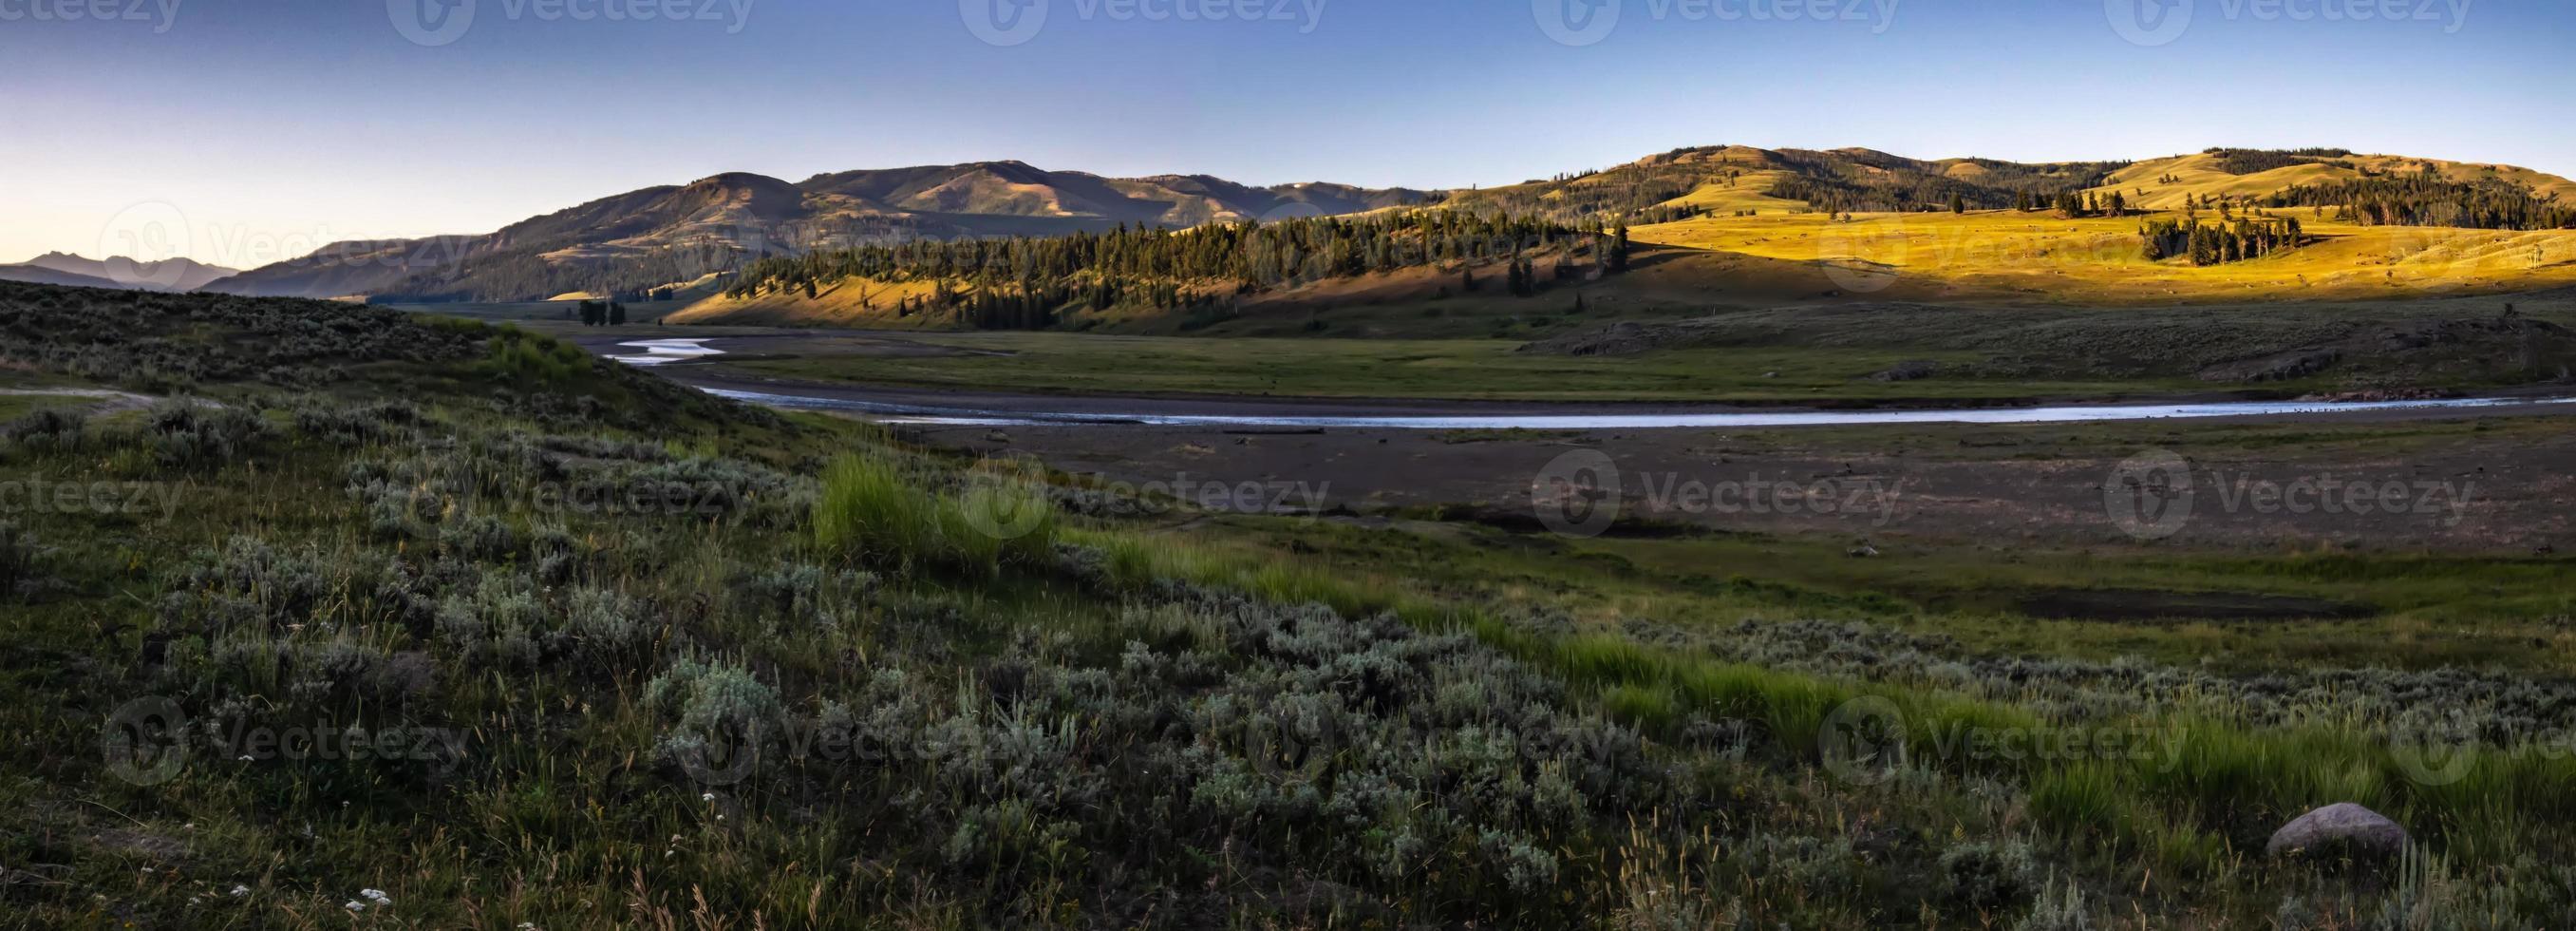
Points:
[(2345, 828), (1864, 551), (1908, 371)]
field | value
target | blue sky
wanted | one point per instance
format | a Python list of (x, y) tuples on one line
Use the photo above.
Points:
[(268, 126)]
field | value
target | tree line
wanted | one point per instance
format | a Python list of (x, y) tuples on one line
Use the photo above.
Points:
[(2210, 244), (1026, 283), (2428, 199)]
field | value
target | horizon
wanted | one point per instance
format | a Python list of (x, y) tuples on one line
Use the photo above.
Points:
[(307, 127)]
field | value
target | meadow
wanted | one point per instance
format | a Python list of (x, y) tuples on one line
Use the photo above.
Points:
[(2012, 256), (1790, 355), (682, 663)]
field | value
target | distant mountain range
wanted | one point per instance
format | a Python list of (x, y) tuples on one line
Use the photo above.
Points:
[(680, 234), (672, 235), (113, 272)]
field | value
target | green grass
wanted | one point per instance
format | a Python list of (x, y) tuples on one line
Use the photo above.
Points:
[(1797, 355), (1461, 369), (1097, 705), (2210, 792), (870, 511)]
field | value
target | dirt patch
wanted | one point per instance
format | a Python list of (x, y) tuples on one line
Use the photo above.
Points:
[(2133, 605)]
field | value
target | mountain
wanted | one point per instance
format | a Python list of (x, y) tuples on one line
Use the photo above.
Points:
[(663, 235), (116, 272), (349, 269), (37, 274)]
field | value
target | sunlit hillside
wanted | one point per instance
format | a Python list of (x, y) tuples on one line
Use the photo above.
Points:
[(2040, 257), (2172, 183)]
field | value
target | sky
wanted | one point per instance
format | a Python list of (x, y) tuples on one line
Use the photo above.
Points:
[(242, 132)]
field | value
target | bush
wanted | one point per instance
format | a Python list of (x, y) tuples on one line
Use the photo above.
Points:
[(359, 425), (2059, 909), (521, 356), (193, 435), (48, 431), (1981, 878), (716, 711), (21, 561)]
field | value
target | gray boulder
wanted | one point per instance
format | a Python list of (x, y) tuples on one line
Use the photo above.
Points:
[(2339, 828)]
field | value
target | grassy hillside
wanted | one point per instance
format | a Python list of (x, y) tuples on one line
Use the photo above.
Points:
[(550, 644), (2171, 183), (2012, 256)]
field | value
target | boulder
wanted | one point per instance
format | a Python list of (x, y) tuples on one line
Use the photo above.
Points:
[(2339, 828)]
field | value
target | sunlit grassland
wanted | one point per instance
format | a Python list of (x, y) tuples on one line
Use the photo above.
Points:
[(2039, 257), (2201, 175)]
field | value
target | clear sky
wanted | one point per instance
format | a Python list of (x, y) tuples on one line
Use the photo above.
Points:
[(259, 129)]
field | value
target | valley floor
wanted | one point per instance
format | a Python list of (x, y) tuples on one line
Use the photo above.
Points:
[(644, 657)]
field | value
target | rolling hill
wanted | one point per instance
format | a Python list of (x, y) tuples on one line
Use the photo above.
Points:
[(1744, 227), (645, 238), (1727, 198), (2172, 183)]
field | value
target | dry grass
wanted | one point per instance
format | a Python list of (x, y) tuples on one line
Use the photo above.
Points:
[(2010, 255)]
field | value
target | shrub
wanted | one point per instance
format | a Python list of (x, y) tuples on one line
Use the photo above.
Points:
[(1981, 877), (525, 357), (2059, 909), (21, 559), (717, 711), (192, 435), (611, 629), (359, 425), (53, 430)]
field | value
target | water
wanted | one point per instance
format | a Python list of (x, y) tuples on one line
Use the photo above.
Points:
[(1678, 419), (667, 351)]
